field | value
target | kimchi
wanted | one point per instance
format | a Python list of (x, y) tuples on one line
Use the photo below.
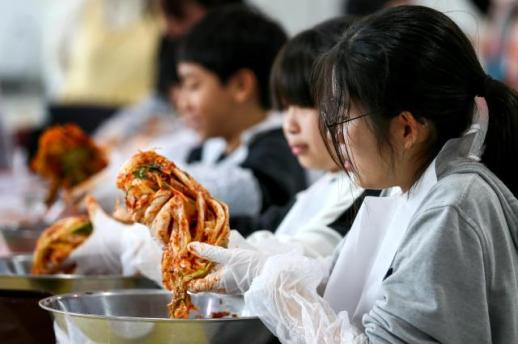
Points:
[(57, 242), (178, 211), (66, 157)]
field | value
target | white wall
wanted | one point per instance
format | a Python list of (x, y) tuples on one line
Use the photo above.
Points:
[(20, 38), (297, 15)]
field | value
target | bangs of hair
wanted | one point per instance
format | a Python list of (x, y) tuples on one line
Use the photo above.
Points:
[(291, 77), (289, 80)]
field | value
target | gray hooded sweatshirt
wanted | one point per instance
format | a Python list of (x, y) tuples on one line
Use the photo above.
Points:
[(454, 278)]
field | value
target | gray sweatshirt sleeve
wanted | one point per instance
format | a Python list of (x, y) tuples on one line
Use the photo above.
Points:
[(437, 289)]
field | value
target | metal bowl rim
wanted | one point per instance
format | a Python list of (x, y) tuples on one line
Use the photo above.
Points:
[(38, 228), (62, 276), (43, 304), (59, 277)]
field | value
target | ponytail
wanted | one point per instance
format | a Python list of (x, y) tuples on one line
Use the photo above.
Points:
[(501, 144)]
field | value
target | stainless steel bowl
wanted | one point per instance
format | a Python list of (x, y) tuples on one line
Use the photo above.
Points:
[(15, 275), (131, 316), (21, 240)]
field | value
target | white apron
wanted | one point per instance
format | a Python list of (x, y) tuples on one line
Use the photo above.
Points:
[(369, 249), (320, 204)]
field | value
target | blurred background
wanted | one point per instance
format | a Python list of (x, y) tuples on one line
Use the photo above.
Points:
[(82, 60)]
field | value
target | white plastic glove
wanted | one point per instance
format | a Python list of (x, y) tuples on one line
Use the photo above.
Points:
[(143, 254), (237, 266), (284, 296), (115, 248), (100, 253)]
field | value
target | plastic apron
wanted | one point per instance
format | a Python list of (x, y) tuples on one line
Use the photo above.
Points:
[(370, 247), (320, 204)]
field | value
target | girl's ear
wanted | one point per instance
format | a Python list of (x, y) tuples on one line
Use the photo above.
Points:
[(407, 131), (243, 85)]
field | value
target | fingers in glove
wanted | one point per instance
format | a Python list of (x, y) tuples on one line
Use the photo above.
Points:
[(212, 253), (210, 283)]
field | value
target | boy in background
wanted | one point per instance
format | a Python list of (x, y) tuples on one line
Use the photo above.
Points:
[(223, 66)]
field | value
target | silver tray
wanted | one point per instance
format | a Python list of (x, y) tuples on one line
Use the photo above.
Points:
[(131, 316), (15, 275)]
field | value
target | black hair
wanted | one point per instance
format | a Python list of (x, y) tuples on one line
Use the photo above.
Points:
[(416, 59), (290, 80), (232, 38), (175, 9), (165, 67)]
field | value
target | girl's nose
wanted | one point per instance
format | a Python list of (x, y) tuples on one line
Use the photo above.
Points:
[(291, 126)]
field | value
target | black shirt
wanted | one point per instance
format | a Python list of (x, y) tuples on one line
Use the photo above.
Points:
[(276, 169)]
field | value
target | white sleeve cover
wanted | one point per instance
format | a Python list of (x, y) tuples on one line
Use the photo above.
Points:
[(142, 254), (117, 248), (284, 296)]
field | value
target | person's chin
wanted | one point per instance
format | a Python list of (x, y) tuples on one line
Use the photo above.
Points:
[(307, 163), (199, 130), (203, 135)]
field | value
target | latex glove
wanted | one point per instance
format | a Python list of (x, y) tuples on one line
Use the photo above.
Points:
[(142, 254), (237, 266), (284, 296), (104, 251)]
